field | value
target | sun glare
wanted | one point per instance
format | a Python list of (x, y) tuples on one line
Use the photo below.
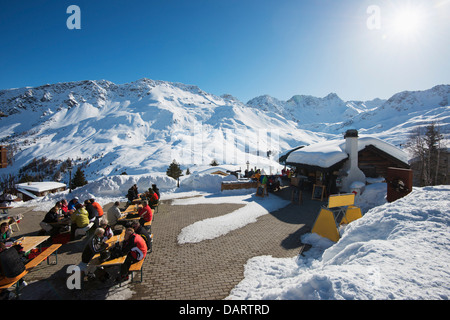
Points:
[(408, 22)]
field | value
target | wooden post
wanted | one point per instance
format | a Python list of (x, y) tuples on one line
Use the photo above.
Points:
[(399, 183), (3, 157)]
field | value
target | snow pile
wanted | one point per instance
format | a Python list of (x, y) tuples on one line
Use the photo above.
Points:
[(119, 185), (373, 195), (397, 250), (205, 182)]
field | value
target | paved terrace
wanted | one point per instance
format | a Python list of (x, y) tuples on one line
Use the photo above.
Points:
[(207, 270)]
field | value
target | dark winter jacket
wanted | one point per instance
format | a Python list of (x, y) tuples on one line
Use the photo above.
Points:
[(91, 211), (51, 216), (95, 245)]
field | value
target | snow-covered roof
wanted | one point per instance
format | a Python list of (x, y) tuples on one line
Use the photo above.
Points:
[(327, 153), (32, 196), (40, 186)]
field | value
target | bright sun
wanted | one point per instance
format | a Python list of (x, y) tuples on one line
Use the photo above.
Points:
[(408, 22)]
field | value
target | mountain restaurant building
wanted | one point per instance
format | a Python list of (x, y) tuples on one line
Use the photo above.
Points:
[(339, 165), (32, 190)]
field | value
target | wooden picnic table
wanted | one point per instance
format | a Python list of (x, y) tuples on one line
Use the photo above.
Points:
[(5, 209), (132, 209), (29, 243), (62, 221), (95, 261)]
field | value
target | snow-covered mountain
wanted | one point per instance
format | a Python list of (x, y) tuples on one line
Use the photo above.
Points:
[(309, 111), (140, 127), (391, 120)]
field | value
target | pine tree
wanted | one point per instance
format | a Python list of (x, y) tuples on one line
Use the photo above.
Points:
[(188, 172), (174, 170), (78, 180), (214, 163), (426, 147)]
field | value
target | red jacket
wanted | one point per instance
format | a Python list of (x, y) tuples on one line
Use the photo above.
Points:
[(146, 213), (136, 246)]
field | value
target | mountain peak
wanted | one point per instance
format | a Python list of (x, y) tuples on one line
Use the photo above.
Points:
[(332, 96)]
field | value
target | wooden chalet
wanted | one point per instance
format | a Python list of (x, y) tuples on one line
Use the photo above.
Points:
[(336, 164), (32, 190)]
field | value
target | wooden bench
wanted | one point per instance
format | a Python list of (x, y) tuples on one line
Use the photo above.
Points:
[(53, 249), (155, 207), (137, 267), (6, 283)]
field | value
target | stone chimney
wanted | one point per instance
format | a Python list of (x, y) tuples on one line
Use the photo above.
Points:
[(351, 169)]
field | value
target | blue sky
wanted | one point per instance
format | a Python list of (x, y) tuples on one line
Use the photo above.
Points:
[(245, 48)]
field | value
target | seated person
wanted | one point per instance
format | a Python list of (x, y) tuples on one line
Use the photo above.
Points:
[(11, 264), (145, 213), (113, 214), (132, 194), (97, 207), (64, 208), (5, 232), (95, 245), (80, 219), (71, 206), (155, 188), (92, 212), (273, 183), (109, 232), (152, 198), (256, 176), (51, 217), (143, 232), (135, 248)]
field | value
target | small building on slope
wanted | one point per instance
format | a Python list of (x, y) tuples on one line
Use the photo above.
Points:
[(32, 190)]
